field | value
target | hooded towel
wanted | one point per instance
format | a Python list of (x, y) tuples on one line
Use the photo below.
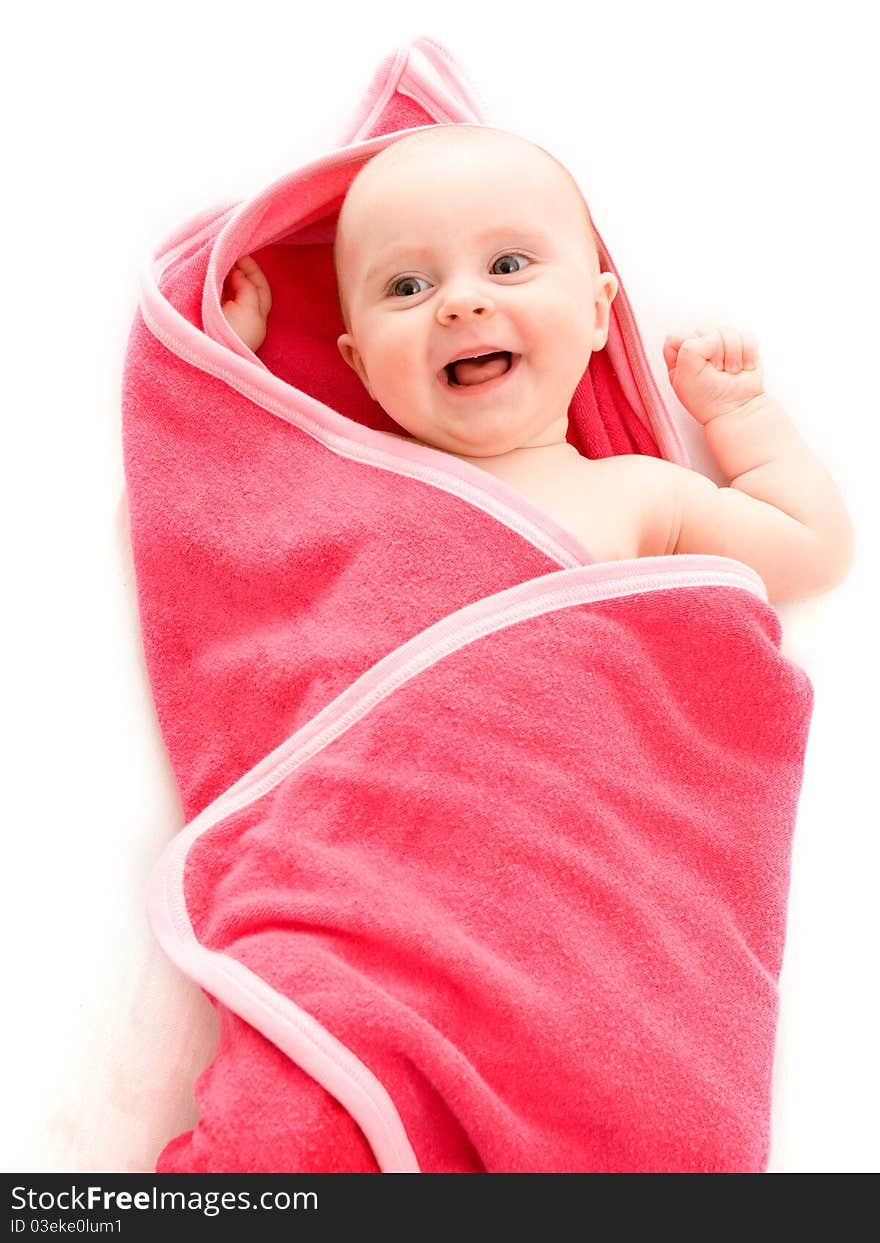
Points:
[(487, 842)]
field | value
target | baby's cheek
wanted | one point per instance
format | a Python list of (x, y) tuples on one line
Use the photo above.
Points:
[(403, 371)]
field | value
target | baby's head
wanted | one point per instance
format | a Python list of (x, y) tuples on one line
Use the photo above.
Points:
[(419, 244)]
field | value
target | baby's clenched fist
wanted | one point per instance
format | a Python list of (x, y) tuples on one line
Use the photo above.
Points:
[(713, 371), (246, 301)]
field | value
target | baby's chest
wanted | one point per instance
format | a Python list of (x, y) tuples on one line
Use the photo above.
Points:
[(599, 506)]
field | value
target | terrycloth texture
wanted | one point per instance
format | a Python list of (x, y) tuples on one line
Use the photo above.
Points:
[(487, 845)]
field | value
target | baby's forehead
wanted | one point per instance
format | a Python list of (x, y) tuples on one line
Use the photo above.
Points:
[(448, 149), (471, 151)]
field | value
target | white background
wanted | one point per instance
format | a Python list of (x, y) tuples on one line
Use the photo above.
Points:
[(728, 154)]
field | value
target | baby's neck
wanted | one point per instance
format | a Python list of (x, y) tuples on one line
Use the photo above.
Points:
[(525, 455)]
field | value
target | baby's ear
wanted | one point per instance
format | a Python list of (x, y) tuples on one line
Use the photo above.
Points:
[(349, 352), (347, 349), (608, 292)]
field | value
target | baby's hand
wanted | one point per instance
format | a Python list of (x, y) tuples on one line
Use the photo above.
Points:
[(248, 302), (713, 371)]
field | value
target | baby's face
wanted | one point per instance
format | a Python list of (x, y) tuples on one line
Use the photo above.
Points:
[(447, 245)]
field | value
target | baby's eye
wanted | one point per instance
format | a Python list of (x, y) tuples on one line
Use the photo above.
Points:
[(404, 280), (514, 254)]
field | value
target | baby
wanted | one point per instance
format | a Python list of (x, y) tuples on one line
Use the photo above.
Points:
[(463, 241)]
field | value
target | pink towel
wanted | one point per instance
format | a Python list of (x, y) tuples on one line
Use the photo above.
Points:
[(487, 847)]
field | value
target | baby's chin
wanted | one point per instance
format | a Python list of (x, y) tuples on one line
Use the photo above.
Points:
[(472, 447), (475, 437)]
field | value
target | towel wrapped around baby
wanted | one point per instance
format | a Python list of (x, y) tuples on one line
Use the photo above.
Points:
[(487, 844)]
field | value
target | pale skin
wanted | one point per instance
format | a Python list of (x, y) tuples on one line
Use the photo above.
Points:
[(781, 512)]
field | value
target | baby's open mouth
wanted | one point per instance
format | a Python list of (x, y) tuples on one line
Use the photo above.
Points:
[(470, 371)]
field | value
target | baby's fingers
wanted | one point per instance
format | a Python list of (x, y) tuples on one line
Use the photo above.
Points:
[(750, 352), (670, 349), (671, 346), (733, 349), (700, 347), (255, 274), (240, 290), (740, 350)]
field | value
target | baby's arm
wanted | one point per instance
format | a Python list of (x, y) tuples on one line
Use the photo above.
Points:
[(782, 513), (248, 301)]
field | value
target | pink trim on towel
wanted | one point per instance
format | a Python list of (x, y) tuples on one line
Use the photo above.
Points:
[(348, 439), (295, 1032), (303, 1037), (286, 1024)]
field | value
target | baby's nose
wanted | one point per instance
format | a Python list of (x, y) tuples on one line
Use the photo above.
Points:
[(466, 303)]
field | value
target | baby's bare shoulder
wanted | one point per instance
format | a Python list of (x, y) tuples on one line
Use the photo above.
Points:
[(650, 488), (683, 511)]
